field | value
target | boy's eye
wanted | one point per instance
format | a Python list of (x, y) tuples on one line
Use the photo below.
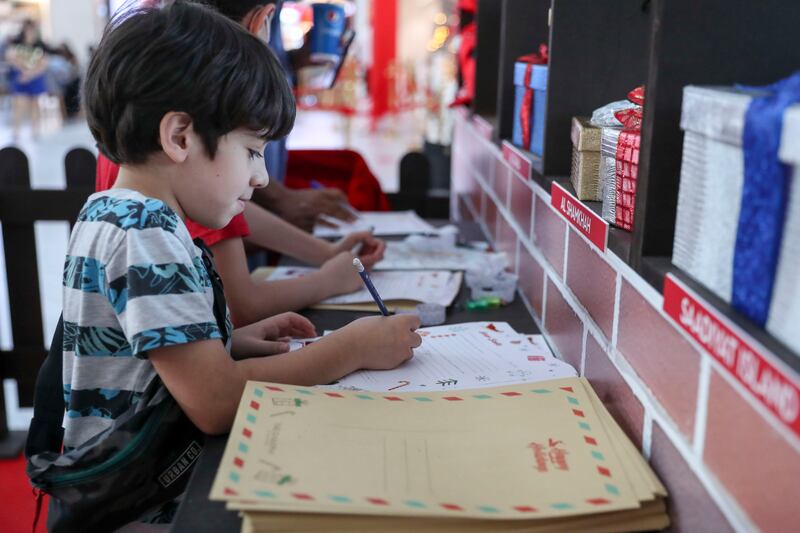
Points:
[(254, 154)]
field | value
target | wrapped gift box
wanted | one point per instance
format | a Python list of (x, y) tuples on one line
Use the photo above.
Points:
[(627, 168), (712, 173), (537, 83), (539, 86), (784, 311), (710, 199), (608, 172), (519, 94), (585, 172)]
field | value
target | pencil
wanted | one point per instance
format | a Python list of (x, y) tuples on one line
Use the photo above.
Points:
[(370, 287)]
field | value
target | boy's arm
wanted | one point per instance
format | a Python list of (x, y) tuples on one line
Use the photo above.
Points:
[(268, 230), (250, 300), (208, 384), (301, 207)]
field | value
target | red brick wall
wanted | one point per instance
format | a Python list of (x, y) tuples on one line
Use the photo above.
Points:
[(727, 463)]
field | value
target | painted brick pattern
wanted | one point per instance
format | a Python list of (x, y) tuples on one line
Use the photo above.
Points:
[(531, 280), (592, 281), (666, 362), (521, 203), (506, 240), (548, 235), (689, 504), (756, 464), (563, 326), (501, 179), (652, 385), (490, 216), (616, 395)]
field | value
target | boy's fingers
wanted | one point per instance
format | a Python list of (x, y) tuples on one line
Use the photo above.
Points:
[(416, 340), (272, 347), (409, 322), (358, 236), (331, 202), (300, 326), (412, 320), (334, 194)]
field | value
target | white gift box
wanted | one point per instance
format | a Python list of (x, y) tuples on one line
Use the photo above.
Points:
[(784, 312), (710, 197), (712, 173)]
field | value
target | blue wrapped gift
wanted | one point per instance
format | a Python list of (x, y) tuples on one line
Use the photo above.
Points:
[(537, 82)]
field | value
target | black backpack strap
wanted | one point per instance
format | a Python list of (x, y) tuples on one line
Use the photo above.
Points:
[(46, 433), (220, 305)]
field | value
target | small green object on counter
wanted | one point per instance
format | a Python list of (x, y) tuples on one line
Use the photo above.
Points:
[(487, 302)]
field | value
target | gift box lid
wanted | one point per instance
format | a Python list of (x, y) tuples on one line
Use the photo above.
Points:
[(538, 76), (585, 137), (789, 151), (719, 113), (715, 112)]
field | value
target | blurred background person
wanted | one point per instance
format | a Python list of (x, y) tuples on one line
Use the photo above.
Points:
[(64, 80), (27, 56)]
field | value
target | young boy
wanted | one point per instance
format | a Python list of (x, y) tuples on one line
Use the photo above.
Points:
[(250, 300), (184, 101)]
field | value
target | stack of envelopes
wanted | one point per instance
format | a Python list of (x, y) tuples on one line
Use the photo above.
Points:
[(531, 457)]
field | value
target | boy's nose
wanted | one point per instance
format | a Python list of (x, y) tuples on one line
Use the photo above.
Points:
[(260, 180)]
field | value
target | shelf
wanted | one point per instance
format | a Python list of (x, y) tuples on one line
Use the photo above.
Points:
[(655, 268)]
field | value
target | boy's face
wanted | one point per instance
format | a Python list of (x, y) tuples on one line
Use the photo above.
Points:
[(213, 191)]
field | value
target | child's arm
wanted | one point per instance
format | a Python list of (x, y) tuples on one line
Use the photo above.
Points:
[(268, 230), (250, 300), (208, 383)]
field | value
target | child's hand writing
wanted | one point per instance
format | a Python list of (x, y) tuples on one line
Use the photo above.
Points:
[(370, 250), (384, 342), (263, 337), (339, 275)]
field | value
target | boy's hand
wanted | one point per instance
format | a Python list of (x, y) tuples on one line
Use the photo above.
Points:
[(339, 274), (301, 207), (385, 342), (265, 337), (370, 250)]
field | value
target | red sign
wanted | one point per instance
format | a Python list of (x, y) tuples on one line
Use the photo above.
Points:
[(583, 219), (516, 160), (483, 127), (765, 377)]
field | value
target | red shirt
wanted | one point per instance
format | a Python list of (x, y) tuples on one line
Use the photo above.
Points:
[(237, 227)]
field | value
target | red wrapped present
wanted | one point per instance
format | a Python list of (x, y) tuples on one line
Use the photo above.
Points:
[(627, 161), (627, 168)]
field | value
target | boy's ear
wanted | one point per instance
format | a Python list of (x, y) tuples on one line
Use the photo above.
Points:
[(256, 19), (176, 135)]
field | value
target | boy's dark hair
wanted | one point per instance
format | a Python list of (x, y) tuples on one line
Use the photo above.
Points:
[(187, 58), (237, 9)]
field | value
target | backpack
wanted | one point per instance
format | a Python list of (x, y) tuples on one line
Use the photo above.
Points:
[(144, 459)]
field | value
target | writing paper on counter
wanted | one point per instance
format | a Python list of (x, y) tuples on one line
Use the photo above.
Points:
[(381, 223), (399, 290), (524, 457), (465, 356), (406, 256)]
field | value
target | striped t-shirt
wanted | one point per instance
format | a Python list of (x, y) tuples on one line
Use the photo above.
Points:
[(133, 281)]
